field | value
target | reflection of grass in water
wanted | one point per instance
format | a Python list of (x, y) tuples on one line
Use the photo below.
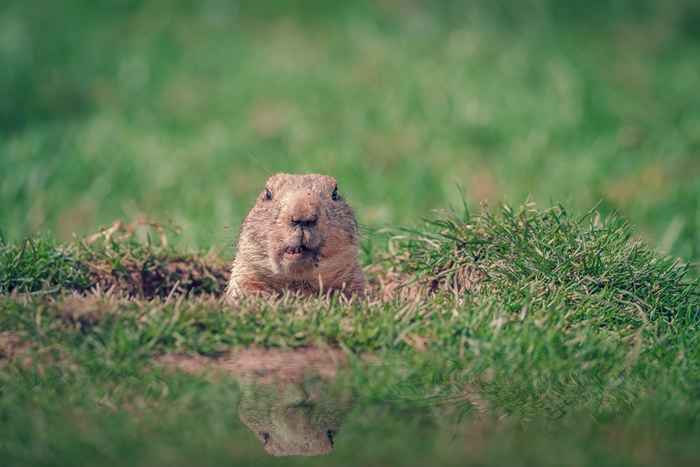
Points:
[(194, 105)]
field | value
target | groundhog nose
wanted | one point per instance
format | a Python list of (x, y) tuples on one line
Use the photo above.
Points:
[(304, 221)]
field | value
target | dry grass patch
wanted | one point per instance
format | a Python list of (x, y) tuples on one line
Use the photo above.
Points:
[(265, 365), (12, 346)]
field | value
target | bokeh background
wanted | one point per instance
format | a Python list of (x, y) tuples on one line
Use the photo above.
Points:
[(178, 110)]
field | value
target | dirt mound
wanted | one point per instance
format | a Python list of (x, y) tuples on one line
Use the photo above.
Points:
[(155, 277), (126, 258)]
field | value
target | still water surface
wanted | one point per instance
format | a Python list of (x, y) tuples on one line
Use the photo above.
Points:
[(318, 407)]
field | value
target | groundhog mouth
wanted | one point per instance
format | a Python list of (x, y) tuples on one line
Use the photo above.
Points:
[(299, 252)]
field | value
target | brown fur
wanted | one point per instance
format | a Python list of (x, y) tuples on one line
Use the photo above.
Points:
[(298, 211)]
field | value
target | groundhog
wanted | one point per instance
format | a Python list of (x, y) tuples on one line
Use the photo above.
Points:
[(300, 236)]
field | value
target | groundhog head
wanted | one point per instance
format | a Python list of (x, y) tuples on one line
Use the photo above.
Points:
[(301, 232)]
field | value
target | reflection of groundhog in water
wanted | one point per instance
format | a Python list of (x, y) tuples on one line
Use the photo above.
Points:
[(287, 397), (288, 401), (301, 236), (292, 419)]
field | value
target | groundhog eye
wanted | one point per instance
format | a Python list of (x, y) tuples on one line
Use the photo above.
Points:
[(335, 196), (268, 195)]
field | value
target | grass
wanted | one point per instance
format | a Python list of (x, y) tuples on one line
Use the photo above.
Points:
[(534, 258), (505, 335), (39, 264), (590, 341)]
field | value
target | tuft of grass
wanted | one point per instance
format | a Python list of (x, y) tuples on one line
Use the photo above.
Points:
[(40, 264), (536, 258)]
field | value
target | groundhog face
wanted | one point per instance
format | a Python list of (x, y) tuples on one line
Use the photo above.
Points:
[(304, 224)]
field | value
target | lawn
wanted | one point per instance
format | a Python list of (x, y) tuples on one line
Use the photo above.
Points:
[(559, 328)]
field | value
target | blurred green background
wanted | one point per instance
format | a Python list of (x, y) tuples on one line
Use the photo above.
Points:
[(179, 110)]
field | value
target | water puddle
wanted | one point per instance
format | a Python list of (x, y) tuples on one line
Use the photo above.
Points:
[(287, 398), (325, 407), (351, 410), (296, 402)]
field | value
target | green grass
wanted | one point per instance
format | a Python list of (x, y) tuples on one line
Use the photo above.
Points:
[(39, 264), (523, 336), (576, 341)]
